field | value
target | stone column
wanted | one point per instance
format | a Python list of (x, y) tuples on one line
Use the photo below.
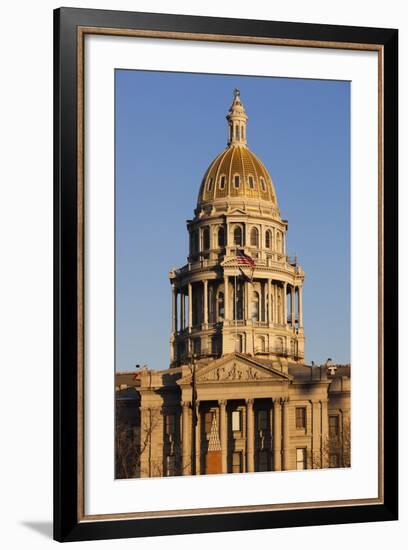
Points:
[(270, 301), (223, 435), (186, 446), (285, 438), (250, 435), (277, 434), (264, 288), (198, 439), (205, 290), (300, 305), (182, 309), (247, 307), (190, 307), (226, 299), (292, 305), (174, 316), (285, 304), (275, 318)]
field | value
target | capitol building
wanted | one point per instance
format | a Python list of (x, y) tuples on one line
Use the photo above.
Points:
[(238, 395)]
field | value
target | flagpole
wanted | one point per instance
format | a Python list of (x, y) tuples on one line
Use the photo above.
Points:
[(235, 301), (235, 311), (253, 328)]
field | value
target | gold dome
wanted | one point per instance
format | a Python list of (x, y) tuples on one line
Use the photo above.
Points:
[(237, 172)]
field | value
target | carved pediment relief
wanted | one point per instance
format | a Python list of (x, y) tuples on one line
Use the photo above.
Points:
[(235, 368), (233, 372)]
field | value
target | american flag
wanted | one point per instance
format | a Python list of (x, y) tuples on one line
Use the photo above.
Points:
[(244, 259)]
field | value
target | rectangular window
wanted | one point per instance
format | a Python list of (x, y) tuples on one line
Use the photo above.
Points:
[(301, 459), (236, 182), (170, 424), (262, 420), (263, 465), (237, 462), (300, 418), (236, 421), (333, 426)]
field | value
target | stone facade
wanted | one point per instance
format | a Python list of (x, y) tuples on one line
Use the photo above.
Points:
[(238, 396)]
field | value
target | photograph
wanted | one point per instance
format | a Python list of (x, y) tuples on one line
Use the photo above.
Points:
[(232, 274)]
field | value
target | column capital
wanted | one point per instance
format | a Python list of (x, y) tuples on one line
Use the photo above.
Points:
[(186, 404), (249, 402), (222, 402)]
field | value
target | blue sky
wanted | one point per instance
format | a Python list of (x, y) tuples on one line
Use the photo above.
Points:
[(169, 127)]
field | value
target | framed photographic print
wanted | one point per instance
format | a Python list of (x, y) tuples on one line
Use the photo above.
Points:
[(225, 274)]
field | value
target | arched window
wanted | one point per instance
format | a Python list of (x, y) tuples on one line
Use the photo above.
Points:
[(242, 132), (209, 184), (239, 302), (255, 237), (236, 181), (221, 237), (263, 185), (239, 343), (261, 347), (268, 239), (220, 305), (238, 236), (251, 182), (206, 238), (236, 132), (279, 345), (255, 307), (222, 182)]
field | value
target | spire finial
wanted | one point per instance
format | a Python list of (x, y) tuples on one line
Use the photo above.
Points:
[(237, 120)]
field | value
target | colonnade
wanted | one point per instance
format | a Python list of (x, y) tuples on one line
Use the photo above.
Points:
[(279, 432), (274, 294)]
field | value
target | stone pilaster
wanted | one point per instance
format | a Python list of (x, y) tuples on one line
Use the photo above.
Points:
[(277, 435), (285, 435), (223, 435), (300, 298), (250, 435), (226, 300)]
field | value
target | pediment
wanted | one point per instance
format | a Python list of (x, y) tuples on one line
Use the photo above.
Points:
[(239, 211), (236, 368)]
